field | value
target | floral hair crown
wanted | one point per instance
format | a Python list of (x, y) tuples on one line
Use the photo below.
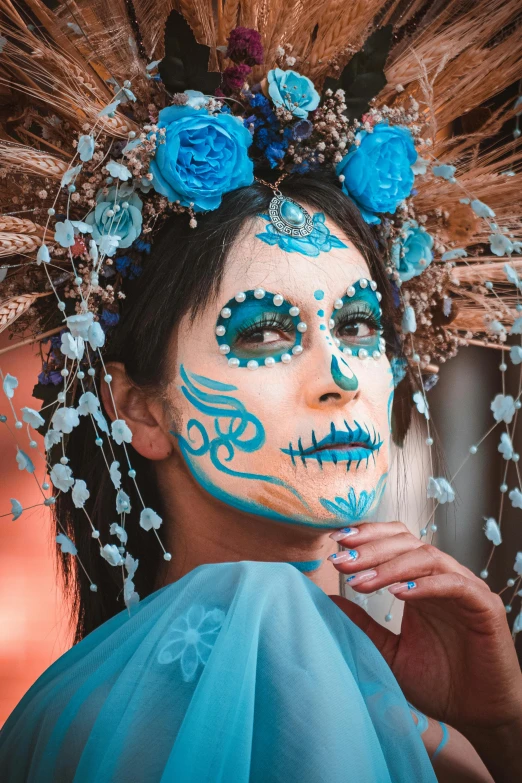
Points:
[(119, 140)]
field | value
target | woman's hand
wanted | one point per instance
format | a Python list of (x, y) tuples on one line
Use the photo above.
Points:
[(454, 658)]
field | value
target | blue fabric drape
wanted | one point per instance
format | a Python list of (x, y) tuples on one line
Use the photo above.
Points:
[(238, 673)]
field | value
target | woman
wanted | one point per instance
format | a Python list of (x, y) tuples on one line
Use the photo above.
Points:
[(244, 662)]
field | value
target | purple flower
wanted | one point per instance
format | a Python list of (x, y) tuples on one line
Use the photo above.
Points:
[(234, 78), (109, 319), (244, 46), (302, 130)]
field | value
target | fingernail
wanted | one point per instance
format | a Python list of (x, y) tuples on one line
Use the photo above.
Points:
[(342, 557), (362, 576), (344, 533), (402, 587)]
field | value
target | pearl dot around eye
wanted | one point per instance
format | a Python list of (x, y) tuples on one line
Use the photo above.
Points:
[(294, 311), (301, 327), (347, 351), (220, 330), (224, 349), (226, 312), (338, 304), (379, 296), (297, 350), (363, 283), (363, 353), (286, 358), (240, 296), (233, 362), (376, 355), (269, 361), (373, 285), (259, 293), (350, 291), (252, 364), (278, 300), (331, 323), (337, 341)]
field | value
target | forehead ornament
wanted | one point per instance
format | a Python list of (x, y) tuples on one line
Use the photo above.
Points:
[(286, 215)]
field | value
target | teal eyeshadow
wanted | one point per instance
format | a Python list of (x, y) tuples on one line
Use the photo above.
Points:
[(243, 313), (364, 299), (320, 313), (319, 295)]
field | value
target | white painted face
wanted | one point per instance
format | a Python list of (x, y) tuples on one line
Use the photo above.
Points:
[(279, 419)]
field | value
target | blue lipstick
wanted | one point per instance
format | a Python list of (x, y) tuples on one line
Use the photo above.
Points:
[(354, 444)]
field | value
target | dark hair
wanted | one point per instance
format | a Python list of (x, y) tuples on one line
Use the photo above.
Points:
[(182, 274)]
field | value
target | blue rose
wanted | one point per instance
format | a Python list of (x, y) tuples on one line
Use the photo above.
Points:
[(203, 157), (377, 171), (293, 91), (411, 252), (109, 221)]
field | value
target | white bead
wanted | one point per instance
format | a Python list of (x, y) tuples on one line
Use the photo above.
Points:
[(502, 367), (484, 574), (363, 353), (429, 441), (388, 618), (301, 327), (220, 330), (515, 457), (64, 460), (350, 291), (259, 293), (294, 311), (297, 349), (363, 283), (278, 300), (331, 323), (434, 528), (378, 295), (338, 304), (252, 364), (233, 362), (240, 296), (61, 306), (93, 588), (110, 213), (503, 488), (347, 350), (45, 485), (518, 405), (226, 312), (61, 397), (269, 361), (376, 355), (510, 582), (423, 532), (373, 285), (64, 373), (107, 378), (91, 371), (473, 449), (224, 349), (33, 444), (416, 358), (95, 534), (337, 341), (286, 358), (167, 556)]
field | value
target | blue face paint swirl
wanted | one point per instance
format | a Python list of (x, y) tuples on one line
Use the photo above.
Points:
[(357, 325), (342, 375), (231, 423), (248, 318), (356, 508), (320, 240), (355, 444)]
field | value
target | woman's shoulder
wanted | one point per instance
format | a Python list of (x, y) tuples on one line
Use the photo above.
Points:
[(244, 668)]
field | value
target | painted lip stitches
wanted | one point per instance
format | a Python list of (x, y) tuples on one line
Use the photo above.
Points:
[(355, 444)]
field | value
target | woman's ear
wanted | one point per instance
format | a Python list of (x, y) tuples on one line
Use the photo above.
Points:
[(143, 414)]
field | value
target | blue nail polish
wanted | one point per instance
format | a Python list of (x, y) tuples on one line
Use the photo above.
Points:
[(349, 531), (353, 554), (411, 585), (349, 578)]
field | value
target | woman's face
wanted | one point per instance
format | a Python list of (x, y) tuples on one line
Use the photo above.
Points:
[(279, 419)]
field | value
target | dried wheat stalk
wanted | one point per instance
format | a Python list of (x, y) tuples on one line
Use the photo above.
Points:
[(16, 225), (14, 308), (11, 244), (31, 161)]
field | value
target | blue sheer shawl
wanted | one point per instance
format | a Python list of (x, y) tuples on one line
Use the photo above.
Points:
[(239, 672)]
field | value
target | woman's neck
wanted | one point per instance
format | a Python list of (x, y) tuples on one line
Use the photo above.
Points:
[(200, 529)]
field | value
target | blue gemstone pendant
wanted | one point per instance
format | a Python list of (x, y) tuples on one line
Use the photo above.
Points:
[(289, 217)]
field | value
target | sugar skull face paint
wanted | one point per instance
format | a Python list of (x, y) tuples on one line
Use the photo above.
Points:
[(305, 438)]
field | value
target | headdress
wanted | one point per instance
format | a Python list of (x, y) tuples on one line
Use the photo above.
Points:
[(116, 114)]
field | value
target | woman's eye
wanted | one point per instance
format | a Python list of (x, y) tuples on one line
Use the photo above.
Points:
[(356, 330), (265, 336)]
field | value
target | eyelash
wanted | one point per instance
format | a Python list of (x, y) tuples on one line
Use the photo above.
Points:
[(358, 316), (282, 324)]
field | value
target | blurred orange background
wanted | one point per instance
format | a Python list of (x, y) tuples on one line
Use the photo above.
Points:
[(33, 616)]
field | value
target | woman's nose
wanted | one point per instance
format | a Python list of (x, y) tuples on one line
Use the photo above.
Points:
[(332, 380)]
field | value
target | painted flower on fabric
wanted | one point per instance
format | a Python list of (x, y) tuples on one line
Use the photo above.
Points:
[(411, 252), (65, 420), (124, 223), (191, 638), (62, 477), (503, 407), (294, 92), (377, 170), (505, 446), (203, 157), (441, 490), (515, 497), (492, 531)]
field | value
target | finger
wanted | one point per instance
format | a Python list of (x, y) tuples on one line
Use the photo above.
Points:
[(368, 531), (373, 553), (454, 587), (425, 560), (385, 641)]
